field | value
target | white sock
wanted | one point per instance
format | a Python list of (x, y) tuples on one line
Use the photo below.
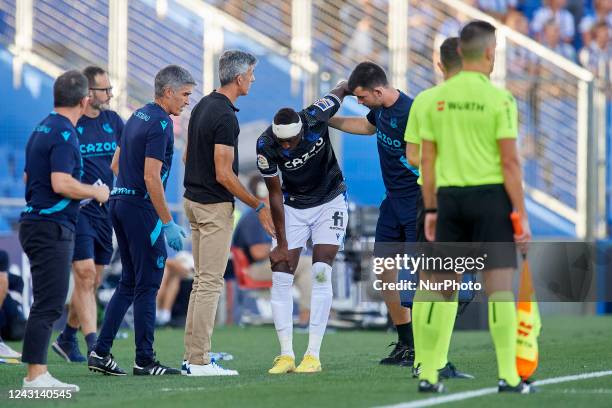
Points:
[(282, 310), (320, 305)]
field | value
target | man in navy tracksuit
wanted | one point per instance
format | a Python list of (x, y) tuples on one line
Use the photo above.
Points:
[(98, 131), (389, 109), (141, 218), (52, 174)]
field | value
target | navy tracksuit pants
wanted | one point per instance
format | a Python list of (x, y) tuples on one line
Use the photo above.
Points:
[(143, 256)]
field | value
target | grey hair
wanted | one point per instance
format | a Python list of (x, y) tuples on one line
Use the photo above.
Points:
[(172, 77), (233, 63)]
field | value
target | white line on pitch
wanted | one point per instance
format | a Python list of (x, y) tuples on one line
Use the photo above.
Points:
[(460, 396)]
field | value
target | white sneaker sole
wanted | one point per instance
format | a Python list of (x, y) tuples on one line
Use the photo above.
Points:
[(211, 374)]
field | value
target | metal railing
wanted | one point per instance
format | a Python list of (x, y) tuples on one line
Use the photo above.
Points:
[(562, 119)]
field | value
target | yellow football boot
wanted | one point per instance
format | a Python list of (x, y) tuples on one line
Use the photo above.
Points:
[(282, 365), (310, 364)]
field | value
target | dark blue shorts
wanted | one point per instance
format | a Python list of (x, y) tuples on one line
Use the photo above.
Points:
[(397, 221), (93, 239)]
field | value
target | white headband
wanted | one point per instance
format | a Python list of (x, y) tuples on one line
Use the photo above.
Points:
[(287, 131)]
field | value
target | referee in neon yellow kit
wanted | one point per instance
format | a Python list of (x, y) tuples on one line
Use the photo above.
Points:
[(469, 155)]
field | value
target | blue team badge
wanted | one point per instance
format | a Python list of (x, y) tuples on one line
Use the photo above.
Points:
[(394, 123), (66, 135), (80, 130), (161, 261), (163, 124), (107, 128)]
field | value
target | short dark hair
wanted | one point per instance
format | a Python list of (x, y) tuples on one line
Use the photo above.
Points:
[(367, 75), (91, 72), (474, 38), (69, 89), (286, 116), (449, 53)]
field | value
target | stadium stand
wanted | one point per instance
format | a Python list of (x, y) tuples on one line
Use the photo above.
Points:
[(549, 90)]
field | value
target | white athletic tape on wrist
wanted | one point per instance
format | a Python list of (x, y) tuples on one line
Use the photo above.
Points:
[(287, 131)]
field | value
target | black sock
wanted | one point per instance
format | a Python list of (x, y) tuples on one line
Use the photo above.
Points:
[(91, 341), (404, 334)]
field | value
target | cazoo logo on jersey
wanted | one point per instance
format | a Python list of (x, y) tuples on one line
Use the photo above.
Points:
[(298, 162)]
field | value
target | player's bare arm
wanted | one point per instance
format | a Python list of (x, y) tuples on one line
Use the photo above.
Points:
[(224, 157), (65, 185), (511, 168), (428, 167), (354, 125), (413, 154), (155, 188), (280, 253), (115, 162)]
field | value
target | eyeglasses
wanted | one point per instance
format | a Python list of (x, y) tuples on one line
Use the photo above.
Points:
[(108, 90)]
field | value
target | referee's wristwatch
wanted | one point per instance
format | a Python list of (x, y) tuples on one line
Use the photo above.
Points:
[(260, 207), (431, 211)]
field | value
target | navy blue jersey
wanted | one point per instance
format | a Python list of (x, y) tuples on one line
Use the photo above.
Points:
[(147, 133), (310, 172), (97, 142), (399, 177), (52, 147)]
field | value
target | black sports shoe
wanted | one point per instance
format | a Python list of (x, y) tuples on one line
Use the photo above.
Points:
[(105, 365), (449, 371), (155, 368), (524, 387), (426, 386), (401, 355)]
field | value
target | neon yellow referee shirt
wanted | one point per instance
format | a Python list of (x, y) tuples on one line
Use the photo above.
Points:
[(465, 117)]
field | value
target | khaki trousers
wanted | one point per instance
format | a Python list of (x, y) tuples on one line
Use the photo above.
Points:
[(211, 233)]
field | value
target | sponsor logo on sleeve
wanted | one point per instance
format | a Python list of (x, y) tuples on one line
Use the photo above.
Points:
[(324, 104), (262, 162)]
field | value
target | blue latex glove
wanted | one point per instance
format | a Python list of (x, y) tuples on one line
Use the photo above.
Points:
[(174, 235)]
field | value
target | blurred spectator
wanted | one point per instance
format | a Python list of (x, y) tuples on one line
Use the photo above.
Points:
[(602, 12), (597, 56), (452, 25), (256, 244), (360, 42), (552, 38), (360, 46), (519, 60), (554, 10), (497, 8)]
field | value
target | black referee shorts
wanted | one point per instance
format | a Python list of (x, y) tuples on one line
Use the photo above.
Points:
[(479, 214)]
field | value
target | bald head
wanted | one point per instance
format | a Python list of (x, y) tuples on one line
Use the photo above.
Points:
[(475, 38)]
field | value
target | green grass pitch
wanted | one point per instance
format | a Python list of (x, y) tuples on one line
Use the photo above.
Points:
[(351, 375)]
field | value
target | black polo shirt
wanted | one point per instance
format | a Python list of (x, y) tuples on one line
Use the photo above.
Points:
[(213, 121)]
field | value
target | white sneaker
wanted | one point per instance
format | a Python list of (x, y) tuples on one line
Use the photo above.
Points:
[(46, 380), (7, 352), (208, 370)]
